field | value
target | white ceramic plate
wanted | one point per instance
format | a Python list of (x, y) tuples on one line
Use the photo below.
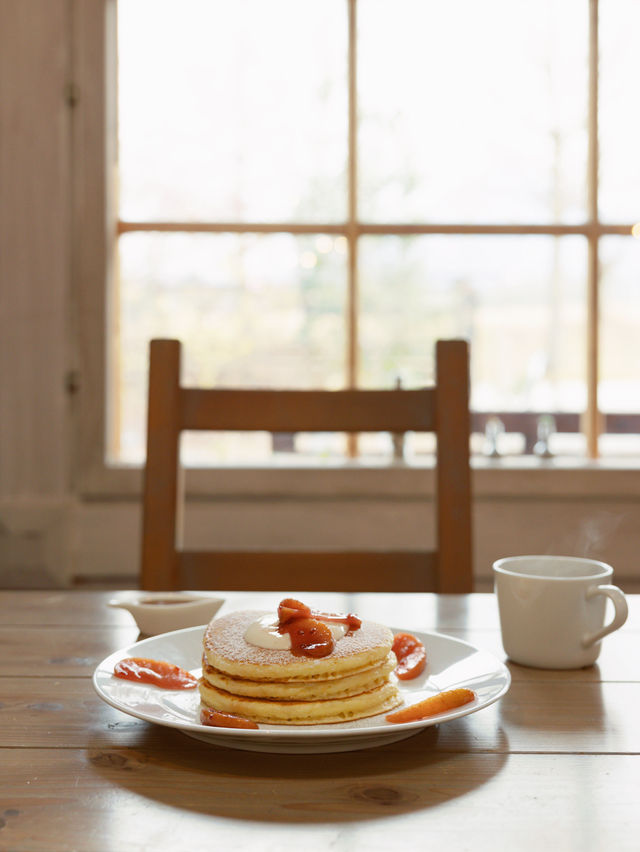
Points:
[(451, 663)]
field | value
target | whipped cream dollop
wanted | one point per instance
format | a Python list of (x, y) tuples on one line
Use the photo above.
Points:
[(264, 633)]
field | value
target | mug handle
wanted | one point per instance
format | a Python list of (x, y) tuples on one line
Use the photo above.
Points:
[(620, 616)]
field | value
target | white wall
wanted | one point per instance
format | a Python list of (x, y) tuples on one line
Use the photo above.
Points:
[(34, 285)]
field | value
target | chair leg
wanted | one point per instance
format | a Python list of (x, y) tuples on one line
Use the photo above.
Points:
[(160, 528), (455, 568)]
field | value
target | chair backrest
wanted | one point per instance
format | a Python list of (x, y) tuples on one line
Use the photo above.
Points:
[(442, 409)]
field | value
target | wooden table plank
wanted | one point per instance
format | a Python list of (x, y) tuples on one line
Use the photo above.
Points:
[(618, 660), (60, 608), (59, 651), (64, 713), (109, 800), (555, 718), (414, 611), (72, 651)]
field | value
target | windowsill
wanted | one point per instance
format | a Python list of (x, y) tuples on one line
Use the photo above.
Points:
[(517, 477)]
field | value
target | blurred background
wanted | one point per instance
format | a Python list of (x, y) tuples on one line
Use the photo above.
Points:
[(309, 193)]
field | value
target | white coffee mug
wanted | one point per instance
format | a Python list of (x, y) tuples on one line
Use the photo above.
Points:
[(552, 609)]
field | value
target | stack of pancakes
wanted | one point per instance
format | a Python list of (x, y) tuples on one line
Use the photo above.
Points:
[(277, 687)]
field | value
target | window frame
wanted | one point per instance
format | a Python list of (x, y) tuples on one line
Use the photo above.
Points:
[(95, 230)]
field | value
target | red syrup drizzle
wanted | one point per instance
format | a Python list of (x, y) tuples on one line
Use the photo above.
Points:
[(216, 719), (310, 636), (157, 672)]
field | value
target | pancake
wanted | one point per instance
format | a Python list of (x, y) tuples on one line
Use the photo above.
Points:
[(274, 712), (226, 650), (281, 688), (307, 690)]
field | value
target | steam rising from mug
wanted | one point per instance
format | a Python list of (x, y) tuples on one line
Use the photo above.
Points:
[(592, 536)]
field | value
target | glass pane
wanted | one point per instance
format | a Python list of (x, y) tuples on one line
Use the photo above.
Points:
[(618, 112), (232, 111), (477, 113), (520, 301), (619, 387), (261, 311)]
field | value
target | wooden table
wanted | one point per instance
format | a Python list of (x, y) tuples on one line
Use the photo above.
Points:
[(555, 763)]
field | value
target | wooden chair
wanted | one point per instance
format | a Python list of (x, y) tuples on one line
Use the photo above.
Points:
[(442, 409)]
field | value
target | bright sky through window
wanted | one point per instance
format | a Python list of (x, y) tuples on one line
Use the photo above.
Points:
[(465, 204)]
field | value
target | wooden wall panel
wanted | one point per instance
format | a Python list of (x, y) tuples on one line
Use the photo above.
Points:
[(34, 246)]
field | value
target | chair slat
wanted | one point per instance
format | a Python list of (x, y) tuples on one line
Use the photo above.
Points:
[(308, 571), (308, 411)]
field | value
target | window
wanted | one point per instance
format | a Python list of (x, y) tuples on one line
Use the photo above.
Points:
[(311, 193)]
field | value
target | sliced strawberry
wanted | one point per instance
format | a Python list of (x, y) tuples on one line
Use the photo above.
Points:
[(310, 638), (411, 656), (290, 609), (224, 720)]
